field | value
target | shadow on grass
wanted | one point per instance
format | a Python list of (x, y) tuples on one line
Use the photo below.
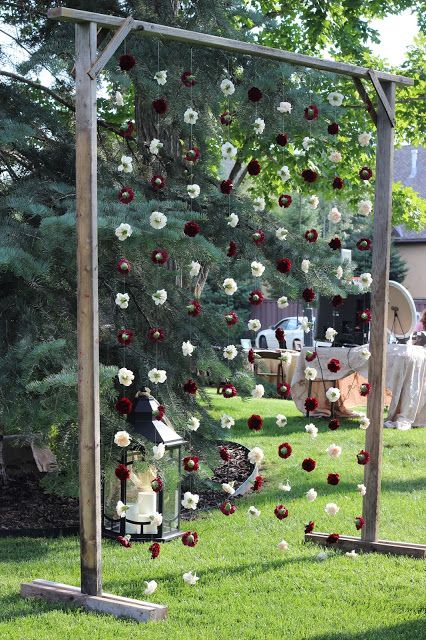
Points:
[(13, 606), (402, 631), (23, 549)]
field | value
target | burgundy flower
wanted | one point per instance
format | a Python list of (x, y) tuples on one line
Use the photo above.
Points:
[(190, 386), (359, 522), (231, 318), (188, 79), (157, 484), (309, 175), (124, 541), (337, 301), (365, 389), (258, 237), (156, 334), (282, 139), (123, 405), (232, 249), (229, 391), (124, 266), (159, 256), (251, 356), (160, 106), (190, 463), (126, 195), (128, 132), (308, 294), (281, 512), (122, 472), (256, 297), (126, 61), (335, 243), (334, 424), (155, 550), (254, 94), (159, 412), (225, 454), (158, 182), (192, 154), (284, 265), (333, 538), (363, 244), (311, 112), (125, 336), (364, 315), (311, 235), (284, 450), (255, 422), (309, 527), (333, 478), (283, 389), (227, 508), (258, 483), (308, 464), (253, 168), (365, 173), (333, 365), (191, 228), (285, 200), (333, 128), (310, 356), (194, 308), (280, 334), (190, 538), (311, 404), (226, 118), (363, 457), (226, 186), (337, 183)]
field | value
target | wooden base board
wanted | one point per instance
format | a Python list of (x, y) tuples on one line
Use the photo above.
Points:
[(347, 543), (106, 603)]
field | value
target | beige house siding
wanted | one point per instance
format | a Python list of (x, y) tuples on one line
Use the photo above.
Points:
[(414, 255)]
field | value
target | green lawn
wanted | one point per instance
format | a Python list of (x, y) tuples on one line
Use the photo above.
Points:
[(248, 589)]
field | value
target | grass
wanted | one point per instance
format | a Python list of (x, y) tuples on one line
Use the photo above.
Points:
[(248, 590)]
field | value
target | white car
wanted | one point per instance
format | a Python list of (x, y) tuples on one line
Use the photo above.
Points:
[(294, 335)]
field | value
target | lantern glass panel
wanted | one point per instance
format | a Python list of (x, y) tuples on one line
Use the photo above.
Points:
[(171, 493), (141, 500), (112, 494)]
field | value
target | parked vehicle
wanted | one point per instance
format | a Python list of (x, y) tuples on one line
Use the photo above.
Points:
[(294, 334)]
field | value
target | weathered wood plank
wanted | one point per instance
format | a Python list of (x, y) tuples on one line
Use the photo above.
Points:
[(347, 543), (112, 46), (366, 99), (390, 111), (225, 44)]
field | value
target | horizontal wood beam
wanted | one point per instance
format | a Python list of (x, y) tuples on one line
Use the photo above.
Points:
[(226, 44), (348, 543)]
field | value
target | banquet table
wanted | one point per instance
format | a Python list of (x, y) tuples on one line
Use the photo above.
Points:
[(405, 383)]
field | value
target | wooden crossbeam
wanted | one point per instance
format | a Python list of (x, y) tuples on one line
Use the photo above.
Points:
[(348, 543), (389, 109), (112, 46)]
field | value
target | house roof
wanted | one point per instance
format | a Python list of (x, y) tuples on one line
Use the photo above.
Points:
[(410, 169)]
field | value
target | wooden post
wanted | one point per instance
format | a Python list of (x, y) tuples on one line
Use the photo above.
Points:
[(87, 311), (379, 310)]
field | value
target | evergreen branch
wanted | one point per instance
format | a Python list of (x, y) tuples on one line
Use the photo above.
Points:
[(8, 167)]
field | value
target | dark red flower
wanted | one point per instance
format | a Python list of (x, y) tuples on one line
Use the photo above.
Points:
[(190, 386), (281, 512), (125, 336), (231, 318), (126, 61), (256, 297), (282, 139), (157, 484), (254, 94), (192, 154), (280, 334), (225, 454), (194, 308), (229, 391), (310, 356), (338, 183), (311, 112), (283, 389), (128, 132), (359, 522), (253, 168), (309, 175), (308, 294), (258, 237), (191, 228), (227, 508), (363, 457), (123, 405), (158, 182), (226, 186), (285, 200), (255, 422), (284, 450), (190, 538), (159, 256), (284, 265), (156, 334), (258, 483), (309, 527), (334, 365), (155, 550), (365, 389), (365, 173), (251, 356), (126, 195), (333, 478), (191, 463), (226, 118), (363, 244), (188, 79), (335, 243), (122, 472), (232, 249), (311, 235), (311, 404), (308, 464), (333, 128), (337, 301), (333, 538), (364, 315), (334, 424), (124, 541), (160, 106), (159, 412), (124, 266)]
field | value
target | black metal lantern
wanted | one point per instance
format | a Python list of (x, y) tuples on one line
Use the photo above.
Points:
[(139, 491)]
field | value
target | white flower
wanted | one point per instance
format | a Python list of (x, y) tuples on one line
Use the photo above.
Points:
[(229, 151), (362, 489), (122, 439), (282, 302), (190, 578), (119, 101), (125, 376), (126, 164), (283, 545), (187, 348), (322, 556), (330, 334), (121, 509), (284, 173), (366, 280), (158, 451), (311, 495), (339, 272), (195, 268), (190, 116), (364, 139), (331, 508), (310, 373), (124, 231), (281, 233), (157, 220), (122, 300), (227, 87), (151, 586), (365, 354), (226, 421), (160, 296), (193, 423), (252, 511), (193, 191), (254, 325), (307, 143), (156, 519), (312, 430), (364, 423), (230, 352), (285, 486), (352, 554), (281, 420), (335, 98), (190, 500), (228, 488), (286, 358), (284, 107), (332, 394), (257, 269), (161, 77), (258, 391), (230, 286), (305, 324), (255, 455), (259, 126), (155, 146), (158, 376), (335, 215), (259, 204), (313, 201), (233, 220), (305, 265), (334, 451), (335, 156), (365, 207)]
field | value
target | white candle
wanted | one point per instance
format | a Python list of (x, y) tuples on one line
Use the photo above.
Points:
[(147, 502), (150, 528), (132, 513)]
